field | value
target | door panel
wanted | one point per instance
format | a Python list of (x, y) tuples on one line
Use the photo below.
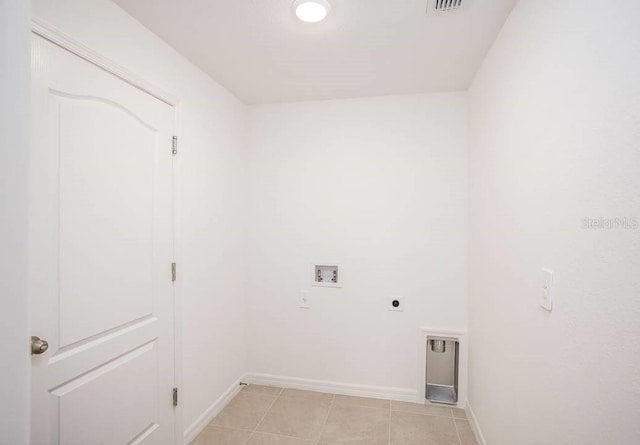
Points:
[(106, 217), (101, 249), (133, 374)]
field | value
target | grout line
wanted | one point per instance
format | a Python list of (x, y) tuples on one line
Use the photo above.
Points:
[(294, 396), (324, 424), (423, 414), (389, 441), (275, 399), (307, 398), (455, 425), (283, 436), (211, 425), (331, 406)]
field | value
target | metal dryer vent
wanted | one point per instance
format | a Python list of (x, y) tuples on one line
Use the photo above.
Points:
[(443, 361)]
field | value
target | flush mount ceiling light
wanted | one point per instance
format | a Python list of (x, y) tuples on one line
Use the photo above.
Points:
[(311, 11)]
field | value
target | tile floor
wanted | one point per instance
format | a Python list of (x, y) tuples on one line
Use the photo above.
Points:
[(265, 415)]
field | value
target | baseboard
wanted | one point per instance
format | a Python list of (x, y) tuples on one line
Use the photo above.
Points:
[(475, 426), (378, 392), (205, 418)]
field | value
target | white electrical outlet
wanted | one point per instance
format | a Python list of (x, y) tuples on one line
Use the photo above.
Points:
[(395, 304), (546, 296), (304, 302)]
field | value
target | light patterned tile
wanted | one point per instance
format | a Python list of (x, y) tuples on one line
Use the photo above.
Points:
[(296, 417), (356, 425), (421, 408), (459, 413), (215, 435), (302, 394), (361, 401), (417, 429), (271, 439), (261, 389), (244, 411), (465, 432)]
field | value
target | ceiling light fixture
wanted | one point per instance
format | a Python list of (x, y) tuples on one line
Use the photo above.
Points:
[(311, 11)]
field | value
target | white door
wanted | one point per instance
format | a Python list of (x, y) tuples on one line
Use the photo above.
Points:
[(100, 257)]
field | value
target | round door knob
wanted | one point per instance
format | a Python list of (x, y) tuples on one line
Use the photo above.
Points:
[(38, 346)]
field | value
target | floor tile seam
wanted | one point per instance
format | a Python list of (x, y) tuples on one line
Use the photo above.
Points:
[(455, 425), (275, 399), (211, 425), (424, 414), (317, 399), (244, 394), (350, 405), (283, 435), (324, 424), (389, 436)]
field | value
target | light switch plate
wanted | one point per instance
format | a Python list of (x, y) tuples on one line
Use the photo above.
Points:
[(546, 296)]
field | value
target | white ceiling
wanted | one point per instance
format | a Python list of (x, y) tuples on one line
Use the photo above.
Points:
[(261, 52)]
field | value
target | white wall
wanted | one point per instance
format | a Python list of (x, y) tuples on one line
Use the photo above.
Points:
[(14, 146), (379, 185), (554, 136), (209, 192)]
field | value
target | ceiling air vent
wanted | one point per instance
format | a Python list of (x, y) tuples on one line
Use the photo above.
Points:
[(446, 5)]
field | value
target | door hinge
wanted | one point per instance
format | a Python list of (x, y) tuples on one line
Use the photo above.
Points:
[(174, 147), (173, 272), (175, 396)]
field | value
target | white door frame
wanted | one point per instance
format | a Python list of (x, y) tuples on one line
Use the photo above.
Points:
[(54, 35)]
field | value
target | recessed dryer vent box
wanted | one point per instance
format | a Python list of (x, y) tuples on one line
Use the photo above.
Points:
[(326, 274)]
